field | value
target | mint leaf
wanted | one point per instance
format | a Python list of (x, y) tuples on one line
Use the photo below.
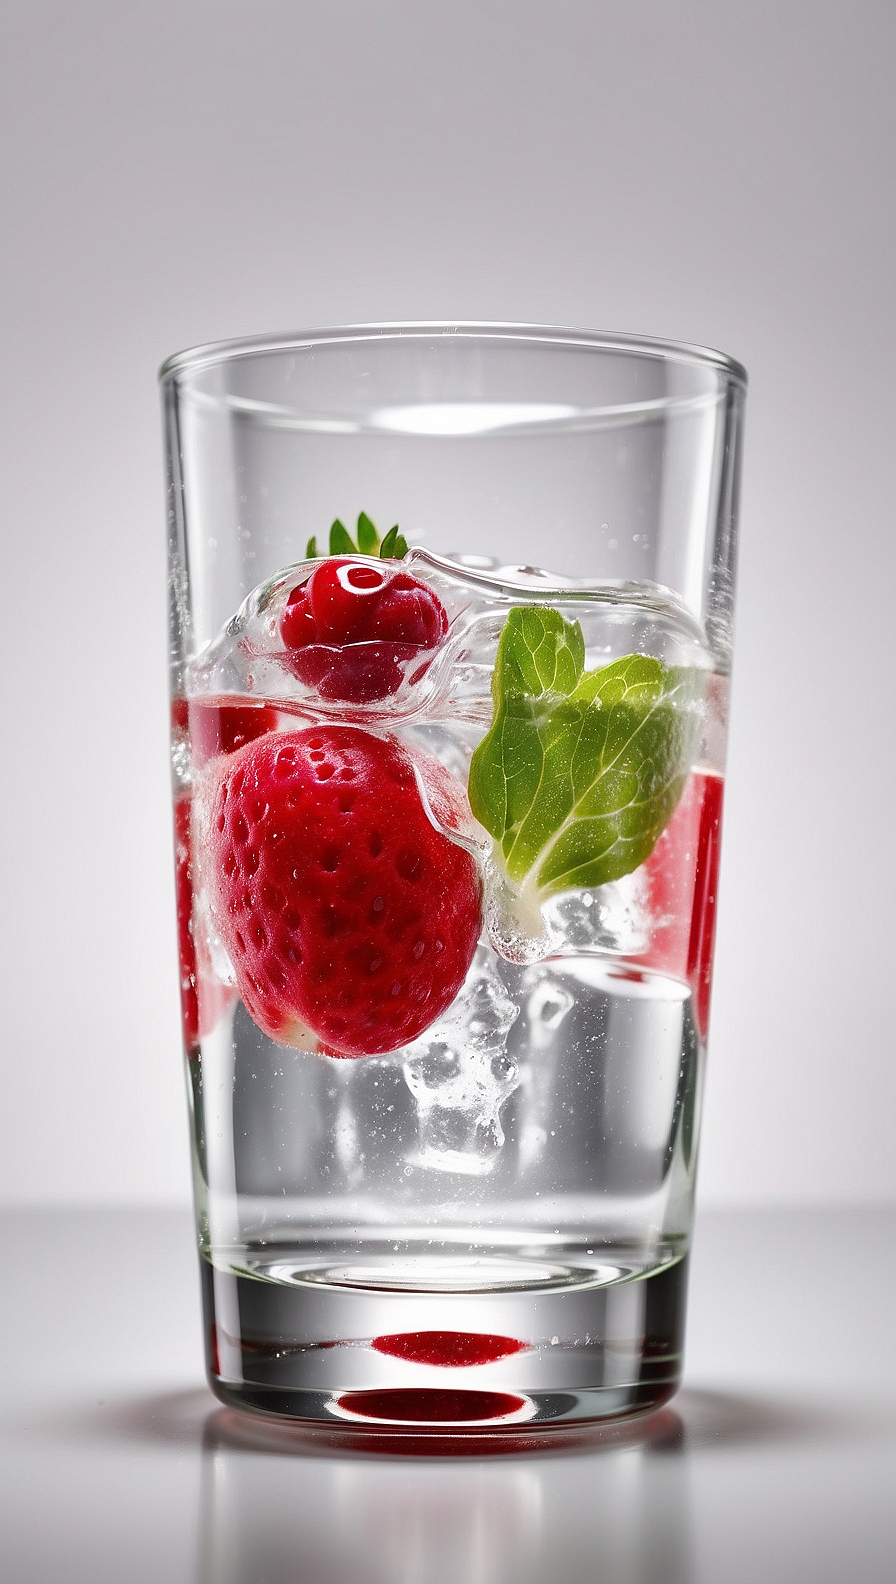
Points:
[(368, 538), (581, 771), (341, 542), (540, 654), (311, 549)]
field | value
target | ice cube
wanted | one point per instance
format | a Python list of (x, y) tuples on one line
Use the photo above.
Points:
[(610, 918), (606, 920), (460, 1074), (211, 953), (547, 1002), (248, 655)]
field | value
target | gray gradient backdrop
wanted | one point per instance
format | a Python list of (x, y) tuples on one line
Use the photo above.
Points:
[(706, 170)]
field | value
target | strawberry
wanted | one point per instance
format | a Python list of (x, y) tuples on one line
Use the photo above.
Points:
[(202, 998), (354, 629), (345, 911)]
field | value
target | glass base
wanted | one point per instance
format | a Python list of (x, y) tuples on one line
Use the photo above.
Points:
[(356, 1347)]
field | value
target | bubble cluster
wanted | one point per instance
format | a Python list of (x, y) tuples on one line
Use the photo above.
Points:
[(609, 918), (516, 927), (460, 1074)]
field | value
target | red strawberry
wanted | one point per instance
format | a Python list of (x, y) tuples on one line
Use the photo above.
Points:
[(202, 998), (354, 627), (344, 910)]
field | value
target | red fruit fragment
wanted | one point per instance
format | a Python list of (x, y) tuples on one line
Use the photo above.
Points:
[(450, 1349), (353, 629), (217, 728), (682, 876), (703, 917), (344, 910), (202, 999)]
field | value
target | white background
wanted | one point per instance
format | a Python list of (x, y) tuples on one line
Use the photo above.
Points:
[(699, 169)]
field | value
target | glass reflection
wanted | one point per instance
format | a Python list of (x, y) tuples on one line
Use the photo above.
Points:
[(284, 1505)]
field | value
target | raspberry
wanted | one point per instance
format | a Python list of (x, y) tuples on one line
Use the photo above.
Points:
[(355, 627), (344, 910)]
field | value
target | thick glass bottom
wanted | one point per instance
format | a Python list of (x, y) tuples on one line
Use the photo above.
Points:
[(500, 1345)]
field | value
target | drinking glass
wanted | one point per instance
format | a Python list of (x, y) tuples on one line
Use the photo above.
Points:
[(450, 614)]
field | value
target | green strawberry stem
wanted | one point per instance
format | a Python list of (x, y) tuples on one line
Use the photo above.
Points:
[(393, 547)]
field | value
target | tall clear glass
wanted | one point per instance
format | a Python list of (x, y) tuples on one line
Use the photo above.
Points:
[(450, 638)]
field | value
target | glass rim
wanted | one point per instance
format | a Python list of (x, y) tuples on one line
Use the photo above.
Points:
[(195, 359)]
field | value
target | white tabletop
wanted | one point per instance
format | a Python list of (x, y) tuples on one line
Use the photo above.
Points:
[(777, 1462)]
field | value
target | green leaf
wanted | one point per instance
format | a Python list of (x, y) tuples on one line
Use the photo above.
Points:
[(311, 549), (341, 542), (394, 546), (581, 771), (368, 538), (540, 655)]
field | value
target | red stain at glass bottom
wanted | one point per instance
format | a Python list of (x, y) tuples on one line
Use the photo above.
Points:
[(431, 1406), (450, 1349)]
